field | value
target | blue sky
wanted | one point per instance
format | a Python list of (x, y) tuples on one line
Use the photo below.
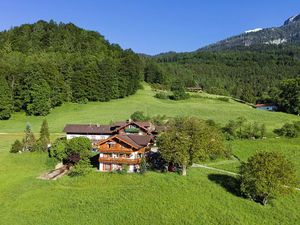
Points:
[(154, 26)]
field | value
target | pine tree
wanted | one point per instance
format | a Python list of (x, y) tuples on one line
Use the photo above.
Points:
[(5, 100), (44, 135), (29, 139), (16, 147)]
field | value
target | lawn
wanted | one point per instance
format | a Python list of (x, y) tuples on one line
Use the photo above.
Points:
[(104, 198), (203, 197), (205, 107), (243, 149)]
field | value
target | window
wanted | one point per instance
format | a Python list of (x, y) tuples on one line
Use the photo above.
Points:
[(107, 167), (111, 144)]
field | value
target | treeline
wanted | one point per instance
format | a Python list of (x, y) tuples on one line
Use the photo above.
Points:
[(45, 64), (251, 74)]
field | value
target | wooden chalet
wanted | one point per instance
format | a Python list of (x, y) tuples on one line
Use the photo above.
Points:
[(119, 144), (122, 149)]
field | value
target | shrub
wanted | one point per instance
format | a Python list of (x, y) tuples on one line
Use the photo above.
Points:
[(58, 149), (159, 120), (223, 99), (267, 175), (82, 100), (139, 116), (178, 95), (38, 146), (290, 130), (240, 128), (161, 95), (16, 147), (82, 168)]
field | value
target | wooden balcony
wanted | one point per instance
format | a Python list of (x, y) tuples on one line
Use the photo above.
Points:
[(115, 150), (119, 160)]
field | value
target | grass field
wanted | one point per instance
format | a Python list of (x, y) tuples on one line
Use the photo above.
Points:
[(203, 197), (143, 100)]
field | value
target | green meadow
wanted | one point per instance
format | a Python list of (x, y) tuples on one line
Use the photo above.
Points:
[(204, 106), (202, 197)]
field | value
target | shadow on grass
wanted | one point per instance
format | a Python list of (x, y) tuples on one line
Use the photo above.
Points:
[(95, 161), (229, 183)]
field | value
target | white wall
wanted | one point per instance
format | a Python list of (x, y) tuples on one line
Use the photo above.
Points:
[(89, 136)]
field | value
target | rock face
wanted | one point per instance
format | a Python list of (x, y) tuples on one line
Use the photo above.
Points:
[(288, 33), (292, 19)]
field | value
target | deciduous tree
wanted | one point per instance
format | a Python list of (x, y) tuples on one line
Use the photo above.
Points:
[(267, 175)]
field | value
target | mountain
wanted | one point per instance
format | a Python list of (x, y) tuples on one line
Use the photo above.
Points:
[(288, 33)]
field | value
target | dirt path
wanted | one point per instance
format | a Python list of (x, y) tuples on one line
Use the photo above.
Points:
[(59, 171)]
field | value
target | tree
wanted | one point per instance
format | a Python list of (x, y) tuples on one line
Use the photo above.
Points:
[(289, 96), (81, 146), (58, 149), (44, 135), (139, 116), (16, 147), (29, 139), (290, 130), (38, 99), (267, 175), (188, 140), (179, 91), (5, 100)]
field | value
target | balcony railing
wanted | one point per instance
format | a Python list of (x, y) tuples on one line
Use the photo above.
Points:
[(115, 150), (119, 160)]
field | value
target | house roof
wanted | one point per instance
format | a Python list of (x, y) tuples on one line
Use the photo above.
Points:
[(103, 129), (88, 129), (143, 125), (136, 141), (264, 105), (141, 140)]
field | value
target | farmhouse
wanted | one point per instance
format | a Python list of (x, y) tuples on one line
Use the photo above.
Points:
[(96, 132), (122, 149), (268, 107), (119, 144)]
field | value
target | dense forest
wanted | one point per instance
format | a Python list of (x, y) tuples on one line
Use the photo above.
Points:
[(45, 64), (253, 74)]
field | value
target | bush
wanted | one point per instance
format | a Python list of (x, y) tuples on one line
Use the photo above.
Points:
[(58, 149), (139, 116), (82, 100), (159, 120), (82, 168), (179, 95), (16, 147), (38, 146), (241, 129), (267, 175), (290, 130), (161, 95), (223, 99)]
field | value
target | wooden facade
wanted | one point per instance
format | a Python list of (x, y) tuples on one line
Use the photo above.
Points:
[(120, 150)]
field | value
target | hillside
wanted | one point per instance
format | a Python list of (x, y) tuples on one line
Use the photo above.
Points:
[(45, 64), (204, 106), (205, 196), (288, 33)]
